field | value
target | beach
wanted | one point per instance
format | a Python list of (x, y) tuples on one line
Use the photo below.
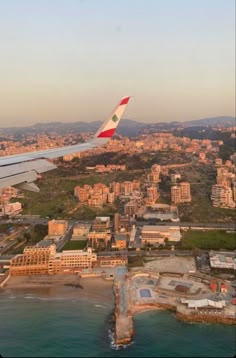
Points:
[(64, 286)]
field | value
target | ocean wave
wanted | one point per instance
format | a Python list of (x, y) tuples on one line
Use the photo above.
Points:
[(45, 298), (111, 335), (101, 306)]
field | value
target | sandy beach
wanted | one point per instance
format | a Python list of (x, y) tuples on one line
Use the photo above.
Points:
[(64, 286)]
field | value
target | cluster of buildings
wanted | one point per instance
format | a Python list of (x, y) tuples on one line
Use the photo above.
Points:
[(96, 195), (223, 194), (100, 194), (163, 141), (30, 143), (145, 143), (6, 206), (101, 168), (44, 258)]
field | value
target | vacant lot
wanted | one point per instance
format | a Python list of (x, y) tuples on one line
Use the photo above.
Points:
[(169, 264), (209, 239)]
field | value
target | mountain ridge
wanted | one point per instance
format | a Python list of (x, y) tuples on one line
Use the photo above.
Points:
[(128, 127)]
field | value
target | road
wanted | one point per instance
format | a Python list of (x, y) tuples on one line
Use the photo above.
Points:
[(146, 253), (44, 221)]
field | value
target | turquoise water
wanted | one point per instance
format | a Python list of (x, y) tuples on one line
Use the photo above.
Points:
[(57, 327)]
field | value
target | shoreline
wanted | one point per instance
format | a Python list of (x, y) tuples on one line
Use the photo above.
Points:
[(98, 289), (190, 318), (65, 286)]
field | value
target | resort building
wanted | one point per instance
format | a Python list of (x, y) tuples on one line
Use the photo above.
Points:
[(45, 260), (33, 261)]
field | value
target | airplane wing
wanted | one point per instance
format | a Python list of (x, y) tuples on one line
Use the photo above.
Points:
[(21, 170)]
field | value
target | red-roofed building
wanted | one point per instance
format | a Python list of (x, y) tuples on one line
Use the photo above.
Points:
[(223, 288), (213, 286)]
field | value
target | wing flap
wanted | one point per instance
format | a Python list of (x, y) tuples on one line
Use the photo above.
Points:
[(27, 177)]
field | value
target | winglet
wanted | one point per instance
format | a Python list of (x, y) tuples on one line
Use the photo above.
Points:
[(108, 128)]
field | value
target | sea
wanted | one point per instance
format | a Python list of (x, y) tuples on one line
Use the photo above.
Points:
[(34, 325)]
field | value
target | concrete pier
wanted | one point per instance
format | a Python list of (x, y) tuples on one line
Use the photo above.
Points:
[(124, 322)]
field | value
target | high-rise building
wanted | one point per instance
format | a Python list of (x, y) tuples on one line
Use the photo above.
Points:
[(181, 193), (116, 222), (222, 196), (175, 194), (185, 192)]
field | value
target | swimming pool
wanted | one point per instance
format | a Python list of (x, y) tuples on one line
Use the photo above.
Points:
[(145, 292)]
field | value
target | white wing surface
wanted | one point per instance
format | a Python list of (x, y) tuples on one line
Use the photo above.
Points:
[(21, 170)]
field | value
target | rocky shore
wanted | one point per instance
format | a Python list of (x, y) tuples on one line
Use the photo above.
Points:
[(200, 318)]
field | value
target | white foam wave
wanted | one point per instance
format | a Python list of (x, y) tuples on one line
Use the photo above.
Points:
[(45, 298), (111, 335), (101, 306)]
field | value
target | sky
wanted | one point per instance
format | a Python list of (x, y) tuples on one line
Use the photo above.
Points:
[(72, 60)]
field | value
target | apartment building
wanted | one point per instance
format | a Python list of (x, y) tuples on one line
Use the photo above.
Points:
[(222, 196), (116, 188), (175, 194), (131, 208), (81, 193), (181, 193), (152, 195), (10, 208), (185, 192)]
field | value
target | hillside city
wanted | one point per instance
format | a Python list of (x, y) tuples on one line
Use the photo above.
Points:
[(131, 203)]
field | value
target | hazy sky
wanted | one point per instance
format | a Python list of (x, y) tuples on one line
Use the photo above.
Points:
[(70, 60)]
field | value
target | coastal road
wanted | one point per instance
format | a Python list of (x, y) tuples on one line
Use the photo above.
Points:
[(43, 221), (146, 253)]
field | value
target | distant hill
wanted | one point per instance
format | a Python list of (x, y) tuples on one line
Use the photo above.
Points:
[(225, 121), (127, 127)]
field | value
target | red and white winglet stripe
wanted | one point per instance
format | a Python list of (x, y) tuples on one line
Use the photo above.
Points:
[(109, 127)]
